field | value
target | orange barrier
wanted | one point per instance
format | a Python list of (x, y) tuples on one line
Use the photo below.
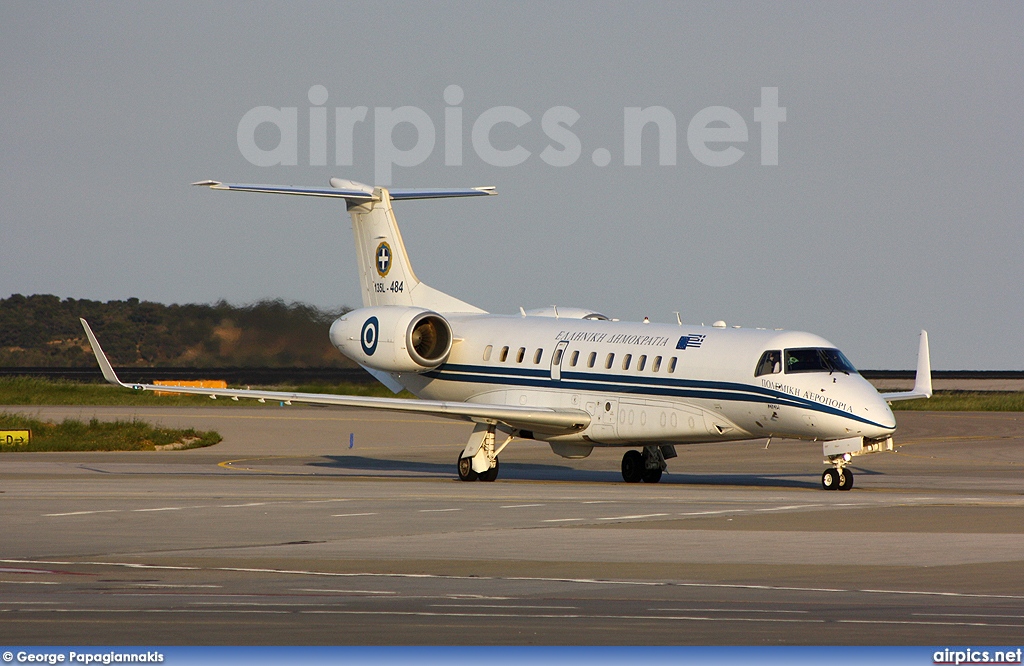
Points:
[(200, 383)]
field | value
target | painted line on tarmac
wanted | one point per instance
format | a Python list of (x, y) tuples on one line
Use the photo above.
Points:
[(512, 606), (307, 589), (712, 513), (723, 610), (635, 517), (542, 579), (81, 513), (526, 616)]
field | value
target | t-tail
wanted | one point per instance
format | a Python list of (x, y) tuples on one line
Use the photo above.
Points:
[(385, 272)]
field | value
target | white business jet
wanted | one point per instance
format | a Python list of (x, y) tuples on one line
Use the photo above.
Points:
[(573, 378)]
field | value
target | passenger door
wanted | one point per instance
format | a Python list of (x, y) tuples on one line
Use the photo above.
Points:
[(556, 360)]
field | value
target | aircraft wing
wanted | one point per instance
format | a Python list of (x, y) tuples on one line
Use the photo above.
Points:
[(523, 418), (922, 379)]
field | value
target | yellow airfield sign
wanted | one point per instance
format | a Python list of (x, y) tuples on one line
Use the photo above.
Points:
[(13, 439)]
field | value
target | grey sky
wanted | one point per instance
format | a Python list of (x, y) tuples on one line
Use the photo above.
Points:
[(896, 204)]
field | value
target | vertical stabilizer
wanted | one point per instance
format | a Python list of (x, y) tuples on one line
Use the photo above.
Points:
[(385, 273)]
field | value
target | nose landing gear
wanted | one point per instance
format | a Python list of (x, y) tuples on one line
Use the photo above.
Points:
[(837, 478)]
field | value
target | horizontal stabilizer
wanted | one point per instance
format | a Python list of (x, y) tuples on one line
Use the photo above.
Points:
[(352, 191)]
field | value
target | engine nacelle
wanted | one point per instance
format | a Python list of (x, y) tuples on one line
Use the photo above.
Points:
[(393, 338)]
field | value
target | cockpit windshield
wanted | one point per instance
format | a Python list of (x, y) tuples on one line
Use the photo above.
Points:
[(814, 359)]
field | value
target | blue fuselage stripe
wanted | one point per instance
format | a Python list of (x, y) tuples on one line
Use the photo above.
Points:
[(653, 386)]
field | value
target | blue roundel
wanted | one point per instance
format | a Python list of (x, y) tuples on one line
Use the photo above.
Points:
[(368, 336)]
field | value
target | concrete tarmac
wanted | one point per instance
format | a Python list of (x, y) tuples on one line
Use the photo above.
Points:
[(283, 534)]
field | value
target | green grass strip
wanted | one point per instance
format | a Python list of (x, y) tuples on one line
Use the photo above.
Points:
[(966, 401), (96, 435), (37, 391)]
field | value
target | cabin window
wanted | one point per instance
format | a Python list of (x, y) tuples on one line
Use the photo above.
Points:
[(592, 359), (537, 354), (641, 362), (558, 357), (672, 365), (626, 360), (521, 355), (770, 363), (487, 352), (609, 361), (656, 365), (575, 357), (504, 354)]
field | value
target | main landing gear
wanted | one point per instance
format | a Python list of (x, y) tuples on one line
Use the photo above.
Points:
[(837, 478), (479, 460), (466, 472), (647, 466)]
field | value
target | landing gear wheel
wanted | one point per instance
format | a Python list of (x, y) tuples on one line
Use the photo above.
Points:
[(845, 479), (491, 474), (632, 466), (466, 472), (830, 479), (651, 475)]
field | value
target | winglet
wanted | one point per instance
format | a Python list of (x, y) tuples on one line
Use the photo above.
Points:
[(923, 378), (101, 358)]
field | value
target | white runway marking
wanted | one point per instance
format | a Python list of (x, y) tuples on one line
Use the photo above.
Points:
[(711, 513), (645, 515), (519, 506), (163, 585), (81, 513), (932, 624), (543, 579), (1010, 617), (513, 606), (311, 589), (561, 520), (787, 508), (437, 510), (351, 515), (723, 610)]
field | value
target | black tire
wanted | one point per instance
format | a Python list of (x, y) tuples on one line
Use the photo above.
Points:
[(491, 474), (845, 480), (652, 475), (829, 479), (465, 468), (632, 466)]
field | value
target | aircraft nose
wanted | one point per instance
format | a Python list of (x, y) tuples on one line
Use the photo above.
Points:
[(881, 414)]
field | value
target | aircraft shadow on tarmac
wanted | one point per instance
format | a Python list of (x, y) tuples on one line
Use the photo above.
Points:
[(541, 472)]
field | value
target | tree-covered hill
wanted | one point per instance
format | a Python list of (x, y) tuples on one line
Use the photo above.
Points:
[(43, 330)]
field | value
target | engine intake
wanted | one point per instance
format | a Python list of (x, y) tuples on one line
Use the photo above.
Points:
[(394, 338), (430, 339)]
